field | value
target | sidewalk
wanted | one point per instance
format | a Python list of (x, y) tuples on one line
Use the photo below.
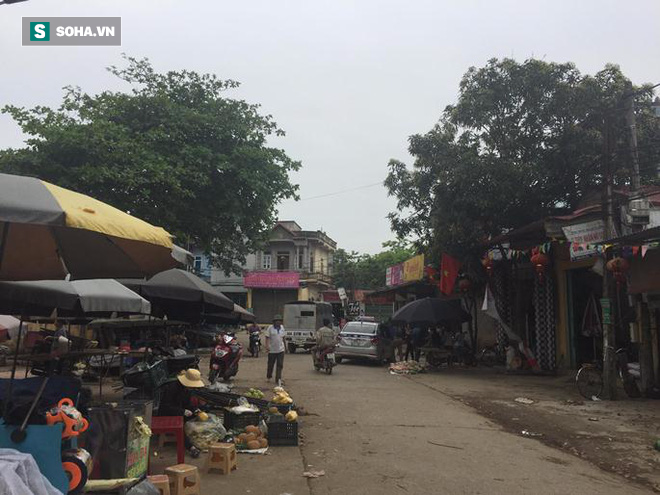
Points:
[(617, 436)]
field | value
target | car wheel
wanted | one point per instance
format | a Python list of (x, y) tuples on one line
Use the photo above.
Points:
[(339, 359), (292, 348)]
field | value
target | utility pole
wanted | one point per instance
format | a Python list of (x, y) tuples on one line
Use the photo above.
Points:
[(632, 125), (609, 369)]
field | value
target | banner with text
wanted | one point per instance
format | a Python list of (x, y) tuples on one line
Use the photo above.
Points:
[(271, 280)]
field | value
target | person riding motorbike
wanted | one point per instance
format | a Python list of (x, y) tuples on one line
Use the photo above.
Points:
[(254, 337), (325, 341)]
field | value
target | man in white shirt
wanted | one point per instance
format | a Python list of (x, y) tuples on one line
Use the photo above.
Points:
[(275, 349)]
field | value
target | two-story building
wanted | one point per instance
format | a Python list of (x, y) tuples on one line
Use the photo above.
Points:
[(295, 264)]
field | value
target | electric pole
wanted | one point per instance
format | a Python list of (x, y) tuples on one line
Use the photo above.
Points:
[(609, 369), (632, 125)]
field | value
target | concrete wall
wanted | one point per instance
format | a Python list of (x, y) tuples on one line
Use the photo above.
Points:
[(218, 277)]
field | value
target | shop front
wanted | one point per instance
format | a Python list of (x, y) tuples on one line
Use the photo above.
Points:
[(269, 291)]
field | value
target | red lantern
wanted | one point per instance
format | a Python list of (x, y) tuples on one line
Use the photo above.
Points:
[(618, 266), (488, 265), (540, 262), (464, 285)]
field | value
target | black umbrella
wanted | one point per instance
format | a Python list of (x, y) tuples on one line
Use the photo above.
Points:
[(237, 316), (430, 310), (71, 299), (181, 295)]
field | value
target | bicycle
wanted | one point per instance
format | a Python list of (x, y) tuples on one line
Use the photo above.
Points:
[(491, 356), (589, 378)]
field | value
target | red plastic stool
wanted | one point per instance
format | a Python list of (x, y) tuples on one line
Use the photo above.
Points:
[(171, 424)]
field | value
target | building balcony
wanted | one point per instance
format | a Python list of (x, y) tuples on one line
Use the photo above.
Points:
[(308, 277)]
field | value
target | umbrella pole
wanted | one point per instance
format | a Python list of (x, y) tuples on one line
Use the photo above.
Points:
[(10, 389), (3, 242)]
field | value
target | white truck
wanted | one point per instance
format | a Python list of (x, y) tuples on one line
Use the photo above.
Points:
[(301, 321)]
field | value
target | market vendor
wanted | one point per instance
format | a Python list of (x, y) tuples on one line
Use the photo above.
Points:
[(176, 399)]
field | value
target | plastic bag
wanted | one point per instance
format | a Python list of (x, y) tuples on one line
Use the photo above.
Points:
[(144, 488), (219, 387), (244, 406), (203, 433)]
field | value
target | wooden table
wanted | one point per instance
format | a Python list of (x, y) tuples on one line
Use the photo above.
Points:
[(85, 355), (436, 355)]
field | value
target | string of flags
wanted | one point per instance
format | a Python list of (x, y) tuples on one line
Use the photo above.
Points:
[(546, 248)]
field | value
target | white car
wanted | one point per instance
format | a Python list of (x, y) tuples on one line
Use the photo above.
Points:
[(358, 339)]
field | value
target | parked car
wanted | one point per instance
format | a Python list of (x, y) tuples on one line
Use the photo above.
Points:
[(358, 339)]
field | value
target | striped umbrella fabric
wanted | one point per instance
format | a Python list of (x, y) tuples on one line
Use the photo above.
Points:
[(48, 232)]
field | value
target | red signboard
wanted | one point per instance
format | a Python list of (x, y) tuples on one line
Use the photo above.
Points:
[(331, 296), (271, 280)]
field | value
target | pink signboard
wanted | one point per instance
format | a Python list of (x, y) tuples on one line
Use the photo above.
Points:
[(271, 280), (397, 274)]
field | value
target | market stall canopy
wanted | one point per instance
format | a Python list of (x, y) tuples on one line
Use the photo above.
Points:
[(244, 314), (238, 315), (77, 298), (138, 322), (48, 232), (181, 295), (430, 310)]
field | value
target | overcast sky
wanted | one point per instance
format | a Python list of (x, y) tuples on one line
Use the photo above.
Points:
[(348, 81)]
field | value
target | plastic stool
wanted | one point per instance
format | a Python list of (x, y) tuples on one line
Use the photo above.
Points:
[(222, 456), (166, 438), (171, 424), (162, 482), (184, 479)]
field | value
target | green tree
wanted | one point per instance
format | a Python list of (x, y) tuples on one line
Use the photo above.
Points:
[(174, 151), (523, 141), (366, 271)]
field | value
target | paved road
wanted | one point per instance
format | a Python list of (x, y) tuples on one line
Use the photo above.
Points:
[(375, 433)]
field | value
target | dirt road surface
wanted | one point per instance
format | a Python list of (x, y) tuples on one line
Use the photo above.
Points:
[(375, 433)]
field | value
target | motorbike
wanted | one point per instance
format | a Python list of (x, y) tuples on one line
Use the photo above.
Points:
[(326, 360), (225, 357), (255, 344)]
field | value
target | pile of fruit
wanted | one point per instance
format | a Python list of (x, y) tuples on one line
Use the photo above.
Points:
[(291, 416), (406, 368), (281, 396), (254, 393), (251, 439)]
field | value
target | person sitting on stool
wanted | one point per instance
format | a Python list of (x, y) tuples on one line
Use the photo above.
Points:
[(176, 400)]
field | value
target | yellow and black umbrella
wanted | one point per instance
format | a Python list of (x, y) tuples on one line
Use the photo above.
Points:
[(47, 232)]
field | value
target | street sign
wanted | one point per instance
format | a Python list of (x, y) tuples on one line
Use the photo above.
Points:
[(342, 293), (606, 305), (355, 308)]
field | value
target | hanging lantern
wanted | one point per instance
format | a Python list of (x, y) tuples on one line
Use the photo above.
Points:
[(540, 262), (618, 266), (488, 265), (464, 285)]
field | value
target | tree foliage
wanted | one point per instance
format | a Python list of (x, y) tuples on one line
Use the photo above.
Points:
[(174, 151), (366, 271), (524, 140)]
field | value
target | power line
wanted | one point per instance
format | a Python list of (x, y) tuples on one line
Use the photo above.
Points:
[(343, 191)]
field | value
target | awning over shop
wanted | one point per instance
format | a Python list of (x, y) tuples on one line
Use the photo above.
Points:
[(418, 288)]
